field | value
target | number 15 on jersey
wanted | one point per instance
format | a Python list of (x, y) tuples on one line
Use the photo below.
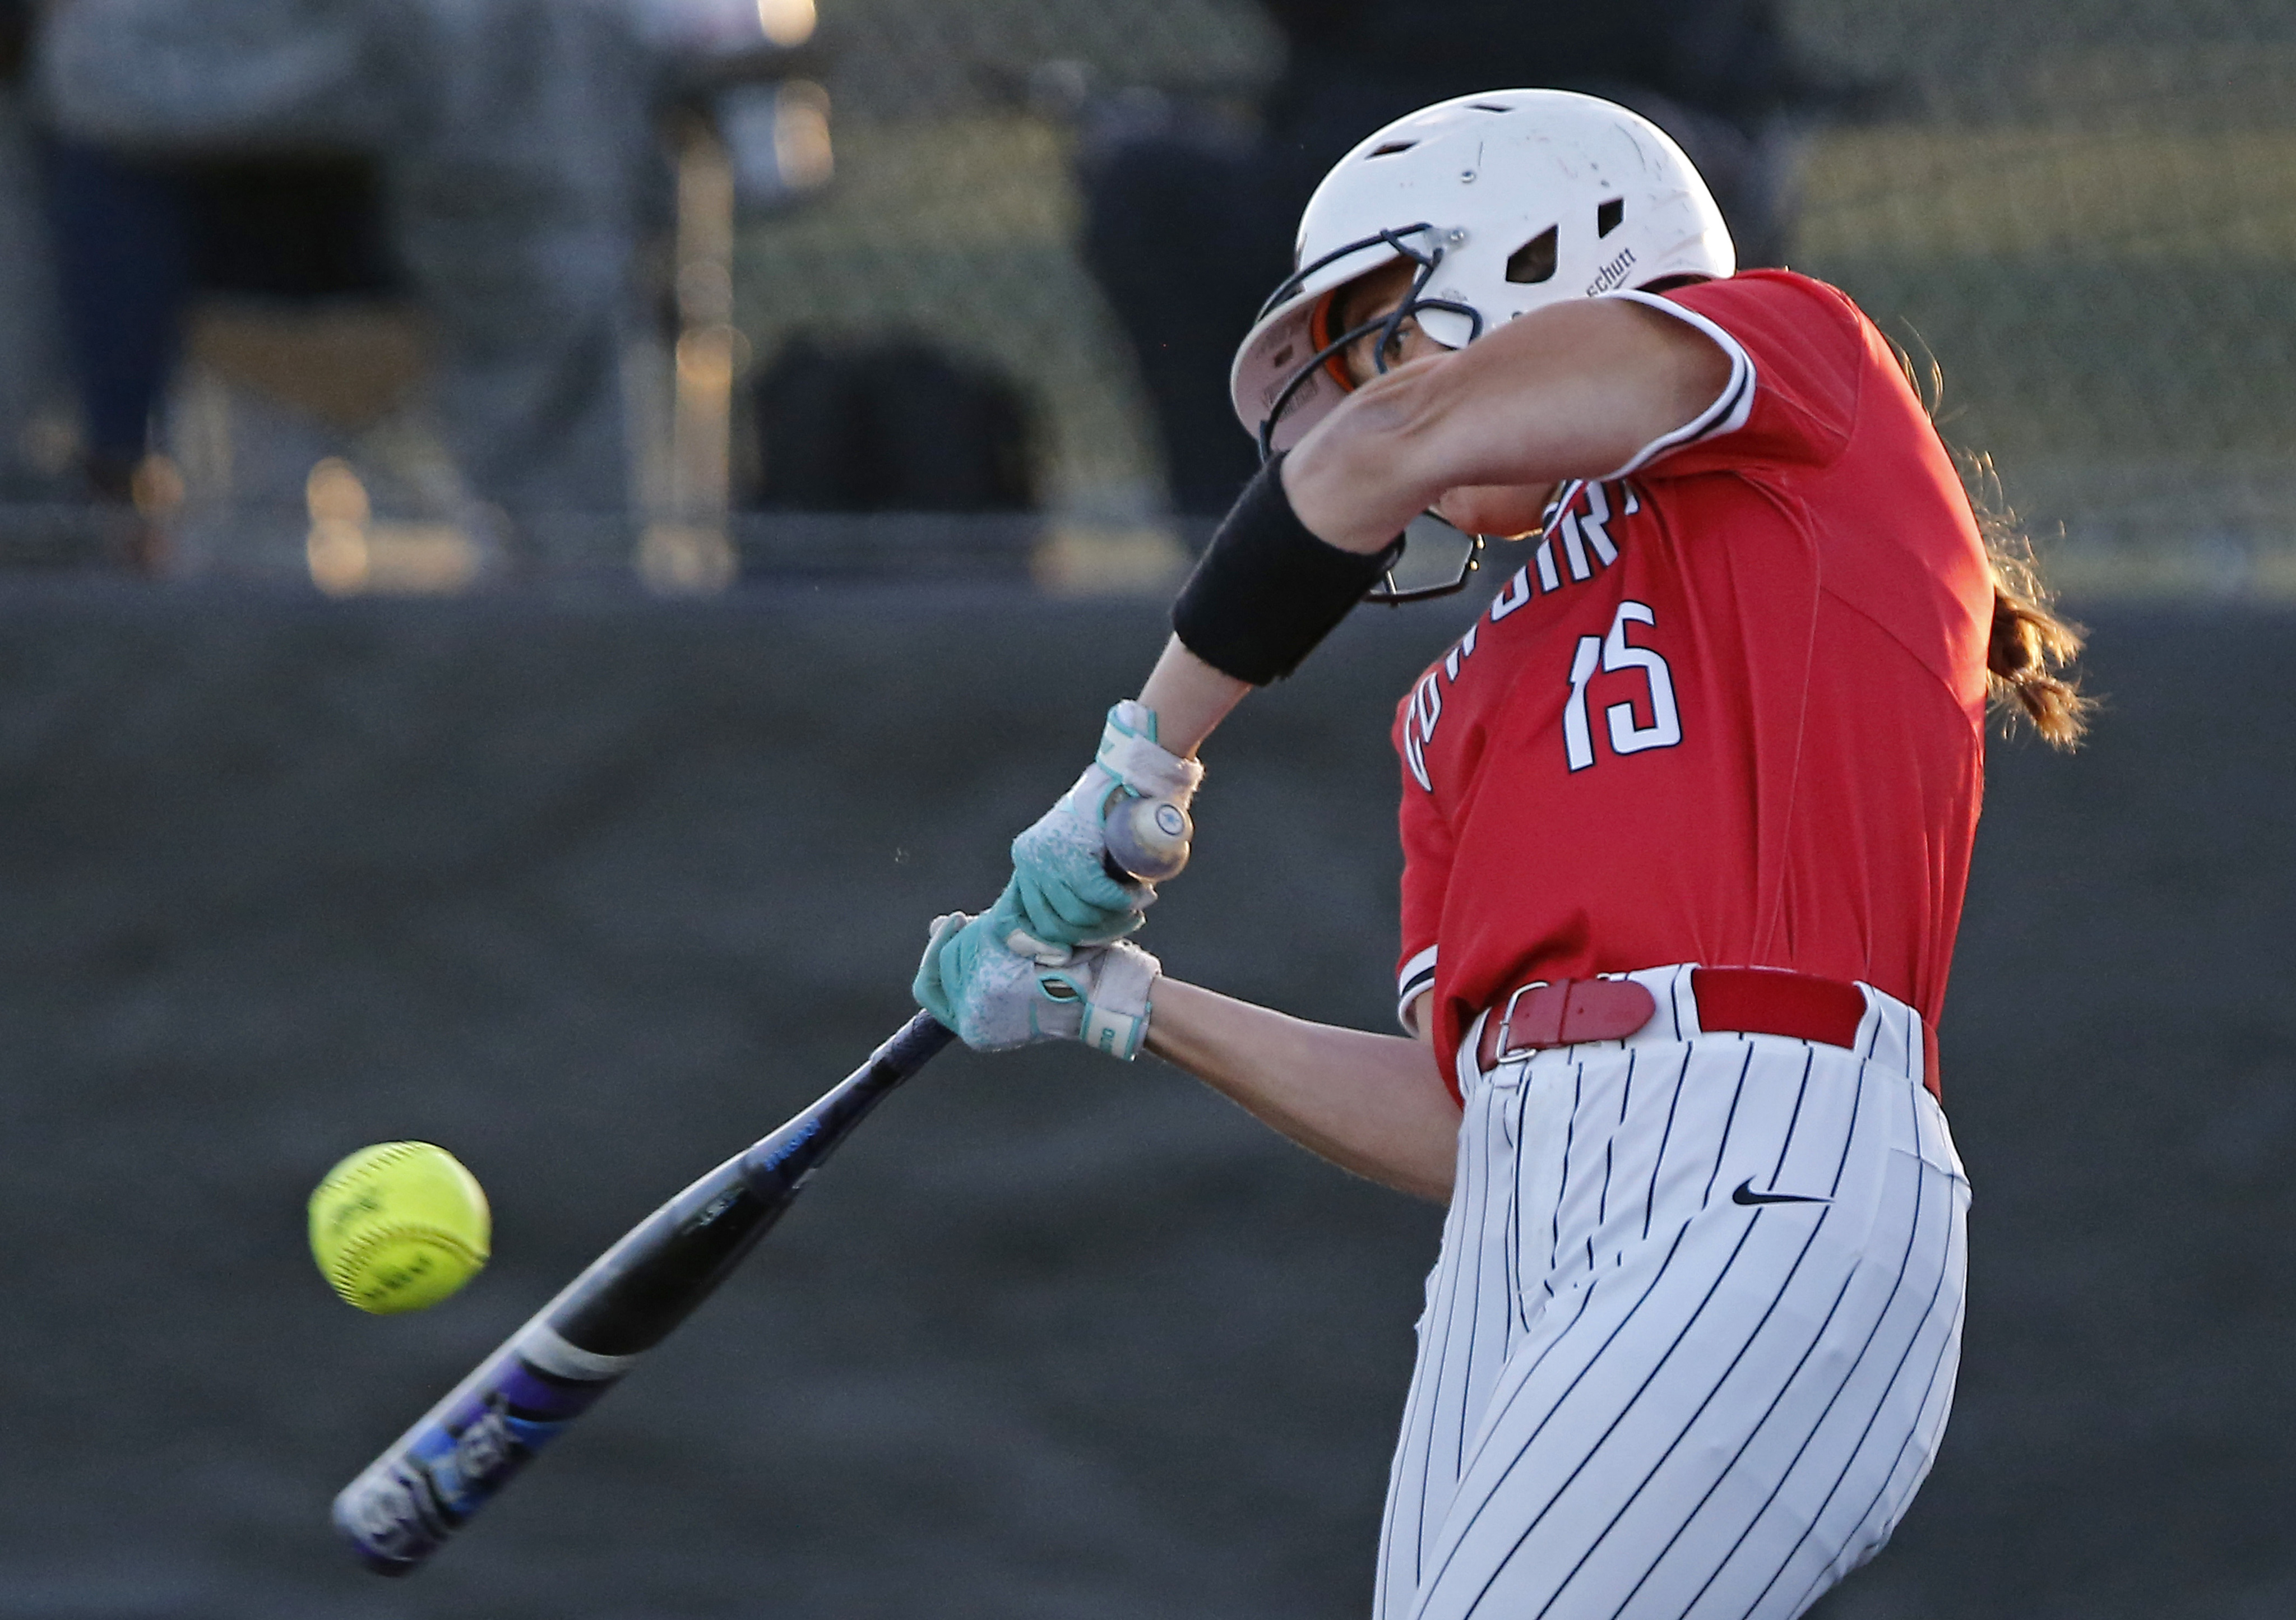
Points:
[(1613, 654)]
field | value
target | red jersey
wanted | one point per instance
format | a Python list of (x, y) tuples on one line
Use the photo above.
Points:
[(1731, 710)]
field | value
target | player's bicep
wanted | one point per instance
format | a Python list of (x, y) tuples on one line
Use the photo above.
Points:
[(1572, 390)]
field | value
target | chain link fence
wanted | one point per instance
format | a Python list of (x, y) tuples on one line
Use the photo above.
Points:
[(954, 215), (2085, 210)]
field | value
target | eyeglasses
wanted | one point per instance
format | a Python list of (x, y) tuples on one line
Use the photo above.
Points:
[(1436, 558)]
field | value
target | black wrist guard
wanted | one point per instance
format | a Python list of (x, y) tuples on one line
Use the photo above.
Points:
[(1266, 590)]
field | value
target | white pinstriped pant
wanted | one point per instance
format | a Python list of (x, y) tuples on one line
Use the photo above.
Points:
[(1639, 1395)]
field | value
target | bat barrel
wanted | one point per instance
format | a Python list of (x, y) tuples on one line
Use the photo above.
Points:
[(420, 1491)]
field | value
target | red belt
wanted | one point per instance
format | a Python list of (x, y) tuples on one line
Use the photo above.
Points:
[(1739, 1000)]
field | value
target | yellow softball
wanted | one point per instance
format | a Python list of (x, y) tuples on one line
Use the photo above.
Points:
[(399, 1227)]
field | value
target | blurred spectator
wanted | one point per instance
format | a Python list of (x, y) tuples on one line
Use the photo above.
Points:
[(498, 162), (1189, 220), (135, 240)]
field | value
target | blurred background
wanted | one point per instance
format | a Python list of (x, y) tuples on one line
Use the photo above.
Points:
[(432, 296), (541, 540)]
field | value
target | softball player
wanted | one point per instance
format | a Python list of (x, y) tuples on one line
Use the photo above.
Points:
[(1686, 816)]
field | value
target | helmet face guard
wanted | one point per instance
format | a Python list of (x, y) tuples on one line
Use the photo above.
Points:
[(1428, 260), (1523, 198), (1387, 327)]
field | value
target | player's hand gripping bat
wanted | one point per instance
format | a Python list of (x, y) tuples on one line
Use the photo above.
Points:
[(442, 1470)]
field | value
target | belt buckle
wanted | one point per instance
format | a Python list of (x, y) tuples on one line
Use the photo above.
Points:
[(1515, 1054), (1578, 1011)]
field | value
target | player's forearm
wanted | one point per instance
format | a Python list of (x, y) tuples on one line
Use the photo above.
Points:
[(1573, 390), (1189, 697), (1370, 1103), (1364, 472)]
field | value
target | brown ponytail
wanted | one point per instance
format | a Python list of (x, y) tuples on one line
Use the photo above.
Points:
[(2029, 642)]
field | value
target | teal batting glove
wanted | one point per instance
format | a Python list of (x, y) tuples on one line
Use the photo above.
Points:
[(997, 999), (1061, 889)]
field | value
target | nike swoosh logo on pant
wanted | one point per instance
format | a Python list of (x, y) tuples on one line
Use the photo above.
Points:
[(1745, 1194)]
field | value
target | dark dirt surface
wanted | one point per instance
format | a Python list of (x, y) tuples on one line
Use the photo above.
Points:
[(595, 892)]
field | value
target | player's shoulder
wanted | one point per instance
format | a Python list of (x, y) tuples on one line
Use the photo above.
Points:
[(1781, 304), (1803, 356), (1769, 288)]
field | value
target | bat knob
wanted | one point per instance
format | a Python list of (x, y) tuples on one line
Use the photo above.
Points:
[(1147, 838)]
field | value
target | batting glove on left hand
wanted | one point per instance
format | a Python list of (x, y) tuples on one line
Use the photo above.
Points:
[(1061, 891), (997, 999)]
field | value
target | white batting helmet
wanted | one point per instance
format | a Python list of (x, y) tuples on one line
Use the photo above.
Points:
[(1506, 200)]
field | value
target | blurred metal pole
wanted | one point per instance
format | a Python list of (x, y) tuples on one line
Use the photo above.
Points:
[(688, 548)]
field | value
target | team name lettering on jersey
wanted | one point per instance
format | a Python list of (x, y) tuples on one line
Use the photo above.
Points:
[(1419, 726), (1580, 519)]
